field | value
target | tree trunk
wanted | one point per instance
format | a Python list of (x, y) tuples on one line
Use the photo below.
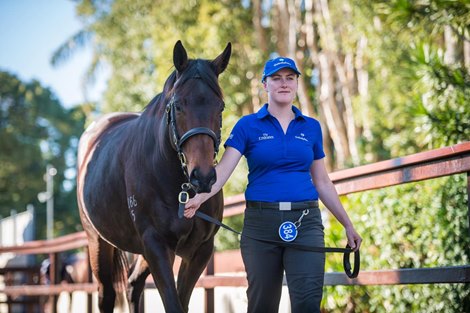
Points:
[(281, 20), (328, 58), (348, 108), (466, 54), (259, 29), (261, 38), (450, 42), (363, 88), (295, 25), (311, 43), (332, 116)]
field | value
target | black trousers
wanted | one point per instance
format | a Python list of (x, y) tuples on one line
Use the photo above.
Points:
[(266, 263)]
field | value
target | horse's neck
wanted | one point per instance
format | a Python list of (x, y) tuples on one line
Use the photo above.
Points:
[(164, 148), (154, 121)]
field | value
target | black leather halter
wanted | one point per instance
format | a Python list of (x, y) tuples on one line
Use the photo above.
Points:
[(179, 141)]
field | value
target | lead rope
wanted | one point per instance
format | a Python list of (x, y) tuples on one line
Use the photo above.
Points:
[(346, 251)]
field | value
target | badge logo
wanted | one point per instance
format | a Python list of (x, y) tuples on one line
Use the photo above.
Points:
[(288, 231)]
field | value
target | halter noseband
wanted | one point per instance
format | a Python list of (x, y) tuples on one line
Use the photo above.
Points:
[(179, 141)]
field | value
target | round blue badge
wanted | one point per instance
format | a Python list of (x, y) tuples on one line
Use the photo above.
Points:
[(288, 231)]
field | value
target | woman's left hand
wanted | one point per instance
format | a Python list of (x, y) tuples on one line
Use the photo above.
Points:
[(354, 240)]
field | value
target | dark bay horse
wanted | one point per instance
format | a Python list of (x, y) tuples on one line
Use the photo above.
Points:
[(133, 172)]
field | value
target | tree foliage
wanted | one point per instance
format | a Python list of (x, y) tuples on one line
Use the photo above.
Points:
[(35, 130), (425, 88), (402, 227), (385, 79)]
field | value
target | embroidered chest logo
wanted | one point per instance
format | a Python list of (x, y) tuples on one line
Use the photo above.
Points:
[(301, 137), (265, 136)]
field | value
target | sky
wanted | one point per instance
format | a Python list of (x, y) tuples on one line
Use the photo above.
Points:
[(30, 32)]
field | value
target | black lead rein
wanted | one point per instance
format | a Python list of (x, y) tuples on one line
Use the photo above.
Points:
[(347, 251)]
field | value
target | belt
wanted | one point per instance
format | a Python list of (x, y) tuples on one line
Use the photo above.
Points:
[(282, 206)]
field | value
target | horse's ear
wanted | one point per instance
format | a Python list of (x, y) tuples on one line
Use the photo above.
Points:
[(180, 57), (220, 63)]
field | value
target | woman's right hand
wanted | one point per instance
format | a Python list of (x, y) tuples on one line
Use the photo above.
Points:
[(193, 205)]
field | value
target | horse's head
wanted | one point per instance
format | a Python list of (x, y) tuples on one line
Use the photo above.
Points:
[(194, 115)]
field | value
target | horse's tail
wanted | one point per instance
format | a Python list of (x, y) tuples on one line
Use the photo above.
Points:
[(120, 270)]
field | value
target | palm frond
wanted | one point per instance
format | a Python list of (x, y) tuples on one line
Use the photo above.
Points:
[(78, 41)]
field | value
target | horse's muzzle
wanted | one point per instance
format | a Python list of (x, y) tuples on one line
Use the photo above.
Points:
[(201, 182)]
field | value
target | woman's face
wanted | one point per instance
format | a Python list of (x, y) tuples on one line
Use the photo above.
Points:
[(281, 87)]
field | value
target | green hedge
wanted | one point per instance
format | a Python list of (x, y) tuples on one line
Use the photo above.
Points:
[(417, 225)]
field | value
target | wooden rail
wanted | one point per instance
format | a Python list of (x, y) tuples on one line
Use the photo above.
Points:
[(64, 243), (417, 167), (421, 166)]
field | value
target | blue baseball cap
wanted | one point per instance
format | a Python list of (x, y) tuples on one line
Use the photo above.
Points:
[(274, 65)]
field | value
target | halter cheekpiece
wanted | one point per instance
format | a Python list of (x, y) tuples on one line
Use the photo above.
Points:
[(178, 142)]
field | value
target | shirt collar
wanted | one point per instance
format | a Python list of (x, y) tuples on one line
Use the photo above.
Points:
[(263, 112)]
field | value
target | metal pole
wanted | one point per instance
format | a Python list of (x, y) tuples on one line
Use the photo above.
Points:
[(48, 197), (1, 231), (14, 219), (50, 172)]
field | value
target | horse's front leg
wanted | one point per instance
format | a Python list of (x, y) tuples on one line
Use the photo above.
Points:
[(191, 269), (160, 260)]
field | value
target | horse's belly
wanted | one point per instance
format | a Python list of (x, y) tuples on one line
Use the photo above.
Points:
[(103, 201), (111, 221), (116, 232)]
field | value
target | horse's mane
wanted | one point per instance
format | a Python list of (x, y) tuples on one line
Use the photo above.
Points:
[(151, 134)]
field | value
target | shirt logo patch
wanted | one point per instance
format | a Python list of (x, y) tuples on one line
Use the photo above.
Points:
[(301, 137), (265, 136)]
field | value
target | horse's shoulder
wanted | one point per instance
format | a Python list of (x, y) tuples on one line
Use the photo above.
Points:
[(98, 127)]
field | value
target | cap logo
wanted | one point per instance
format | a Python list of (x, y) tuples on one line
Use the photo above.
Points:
[(281, 62)]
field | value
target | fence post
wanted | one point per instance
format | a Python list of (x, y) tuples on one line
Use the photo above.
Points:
[(468, 201), (90, 280), (209, 292), (54, 278)]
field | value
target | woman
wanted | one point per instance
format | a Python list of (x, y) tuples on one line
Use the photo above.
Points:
[(287, 176)]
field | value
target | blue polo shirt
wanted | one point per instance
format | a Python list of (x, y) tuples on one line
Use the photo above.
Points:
[(278, 163)]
